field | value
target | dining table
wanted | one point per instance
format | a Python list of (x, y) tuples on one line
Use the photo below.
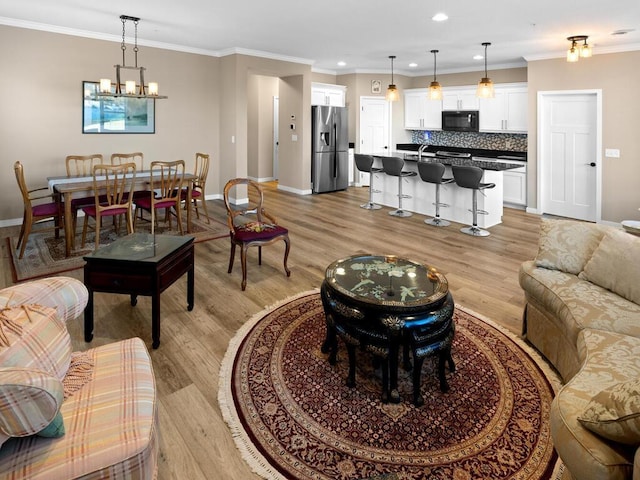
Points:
[(67, 187)]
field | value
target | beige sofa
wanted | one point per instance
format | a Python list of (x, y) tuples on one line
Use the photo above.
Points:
[(64, 414), (583, 313)]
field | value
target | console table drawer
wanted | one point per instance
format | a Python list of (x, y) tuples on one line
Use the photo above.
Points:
[(116, 282)]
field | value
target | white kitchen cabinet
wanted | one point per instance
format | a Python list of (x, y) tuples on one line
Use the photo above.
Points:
[(454, 98), (515, 186), (507, 111), (421, 113), (328, 94)]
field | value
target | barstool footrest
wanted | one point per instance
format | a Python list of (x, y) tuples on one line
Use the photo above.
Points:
[(479, 212)]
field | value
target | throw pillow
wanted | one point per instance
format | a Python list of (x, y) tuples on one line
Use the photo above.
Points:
[(55, 429), (614, 413), (615, 265), (566, 245)]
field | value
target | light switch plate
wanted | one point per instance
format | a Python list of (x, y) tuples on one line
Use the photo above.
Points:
[(612, 153)]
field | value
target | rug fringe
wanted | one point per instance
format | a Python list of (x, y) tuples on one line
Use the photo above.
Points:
[(249, 453)]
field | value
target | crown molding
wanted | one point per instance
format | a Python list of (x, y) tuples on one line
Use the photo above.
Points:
[(261, 54)]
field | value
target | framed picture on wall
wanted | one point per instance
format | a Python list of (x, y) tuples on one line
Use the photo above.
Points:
[(376, 86), (115, 114)]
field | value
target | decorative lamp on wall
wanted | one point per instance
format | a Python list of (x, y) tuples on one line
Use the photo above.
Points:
[(131, 89), (485, 85), (392, 91), (576, 51), (435, 90)]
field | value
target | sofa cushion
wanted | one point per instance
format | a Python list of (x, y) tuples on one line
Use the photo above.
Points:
[(567, 245), (34, 338), (614, 413), (110, 424), (614, 265)]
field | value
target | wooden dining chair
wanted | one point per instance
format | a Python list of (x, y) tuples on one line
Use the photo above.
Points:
[(201, 170), (34, 210), (252, 226), (113, 187), (81, 166), (135, 157), (165, 183)]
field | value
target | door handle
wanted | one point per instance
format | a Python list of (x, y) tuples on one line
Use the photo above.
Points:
[(592, 164)]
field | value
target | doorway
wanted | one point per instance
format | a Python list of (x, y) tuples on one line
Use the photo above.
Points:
[(569, 154), (276, 135)]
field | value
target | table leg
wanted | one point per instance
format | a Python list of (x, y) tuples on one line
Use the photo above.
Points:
[(188, 205), (88, 317), (190, 287), (68, 225), (134, 300), (418, 401), (394, 395), (155, 319)]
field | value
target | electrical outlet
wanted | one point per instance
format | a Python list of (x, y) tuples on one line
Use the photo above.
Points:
[(612, 153)]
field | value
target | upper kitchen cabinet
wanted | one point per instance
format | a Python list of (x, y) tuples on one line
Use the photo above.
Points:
[(507, 112), (328, 94), (463, 98), (421, 113)]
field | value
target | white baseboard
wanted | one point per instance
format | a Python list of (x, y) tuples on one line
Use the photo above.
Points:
[(294, 190)]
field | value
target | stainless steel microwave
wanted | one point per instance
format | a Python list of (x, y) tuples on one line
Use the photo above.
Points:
[(461, 120)]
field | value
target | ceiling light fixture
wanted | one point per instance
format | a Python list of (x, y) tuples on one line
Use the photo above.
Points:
[(130, 88), (440, 17), (485, 85), (576, 51), (392, 91), (435, 90)]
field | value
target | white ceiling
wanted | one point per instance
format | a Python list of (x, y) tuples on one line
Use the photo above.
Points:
[(361, 33)]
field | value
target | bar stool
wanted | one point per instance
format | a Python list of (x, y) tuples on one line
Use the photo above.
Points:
[(432, 172), (364, 163), (393, 166), (468, 176)]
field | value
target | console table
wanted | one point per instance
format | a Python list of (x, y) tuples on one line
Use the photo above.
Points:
[(382, 303), (139, 264)]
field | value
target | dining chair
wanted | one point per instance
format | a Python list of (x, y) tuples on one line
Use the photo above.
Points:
[(35, 213), (252, 226), (134, 157), (201, 170), (81, 166), (165, 185), (112, 186)]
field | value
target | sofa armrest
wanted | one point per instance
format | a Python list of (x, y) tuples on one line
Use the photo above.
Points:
[(68, 295), (29, 401)]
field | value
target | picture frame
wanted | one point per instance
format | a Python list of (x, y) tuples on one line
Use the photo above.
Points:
[(108, 115), (376, 86)]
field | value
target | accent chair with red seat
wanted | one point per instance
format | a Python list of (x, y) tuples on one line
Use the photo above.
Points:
[(252, 226)]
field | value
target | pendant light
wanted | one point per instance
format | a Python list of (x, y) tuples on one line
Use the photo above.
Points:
[(435, 90), (392, 91), (485, 85)]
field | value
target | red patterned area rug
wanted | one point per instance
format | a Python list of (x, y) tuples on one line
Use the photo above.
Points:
[(45, 255), (292, 415)]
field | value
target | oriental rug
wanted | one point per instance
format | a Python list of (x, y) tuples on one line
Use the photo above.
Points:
[(45, 255), (292, 415)]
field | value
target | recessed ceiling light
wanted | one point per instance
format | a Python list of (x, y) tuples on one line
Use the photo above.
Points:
[(413, 65), (342, 64), (478, 57), (440, 17)]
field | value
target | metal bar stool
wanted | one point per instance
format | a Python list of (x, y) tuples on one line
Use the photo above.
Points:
[(468, 176), (432, 172), (364, 163), (393, 166)]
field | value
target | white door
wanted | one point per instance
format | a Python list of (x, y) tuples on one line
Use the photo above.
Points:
[(569, 140), (276, 135), (374, 126)]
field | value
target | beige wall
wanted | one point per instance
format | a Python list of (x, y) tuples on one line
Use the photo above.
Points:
[(507, 75), (617, 76), (262, 89), (41, 107)]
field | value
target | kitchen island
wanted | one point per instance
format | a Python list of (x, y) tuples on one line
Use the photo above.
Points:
[(459, 199)]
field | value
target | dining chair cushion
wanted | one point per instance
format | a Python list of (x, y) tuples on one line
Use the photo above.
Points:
[(45, 209), (253, 231)]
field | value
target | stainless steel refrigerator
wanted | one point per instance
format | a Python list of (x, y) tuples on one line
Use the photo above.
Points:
[(330, 149)]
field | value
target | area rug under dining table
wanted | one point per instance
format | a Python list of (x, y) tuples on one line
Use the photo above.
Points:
[(292, 415)]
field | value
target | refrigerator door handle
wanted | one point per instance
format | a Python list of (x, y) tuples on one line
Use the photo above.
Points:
[(335, 151)]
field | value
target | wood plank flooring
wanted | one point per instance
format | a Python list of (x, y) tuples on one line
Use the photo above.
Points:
[(195, 441)]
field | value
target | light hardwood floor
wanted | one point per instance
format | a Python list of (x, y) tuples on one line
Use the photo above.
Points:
[(195, 441)]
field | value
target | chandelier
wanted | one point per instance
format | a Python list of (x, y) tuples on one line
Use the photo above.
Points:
[(131, 89)]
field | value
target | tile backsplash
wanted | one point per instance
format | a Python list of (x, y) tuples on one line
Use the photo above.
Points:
[(489, 141)]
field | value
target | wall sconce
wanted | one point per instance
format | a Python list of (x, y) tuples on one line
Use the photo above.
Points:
[(392, 91), (576, 51), (435, 90)]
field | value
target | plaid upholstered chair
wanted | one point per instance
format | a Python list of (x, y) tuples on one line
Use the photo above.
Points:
[(67, 415), (252, 226)]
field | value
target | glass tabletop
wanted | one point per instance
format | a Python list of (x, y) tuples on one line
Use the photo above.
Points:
[(142, 247), (387, 280)]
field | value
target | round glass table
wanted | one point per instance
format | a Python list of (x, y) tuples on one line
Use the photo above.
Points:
[(380, 303)]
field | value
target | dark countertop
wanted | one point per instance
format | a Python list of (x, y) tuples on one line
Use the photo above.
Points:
[(475, 152), (485, 165)]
